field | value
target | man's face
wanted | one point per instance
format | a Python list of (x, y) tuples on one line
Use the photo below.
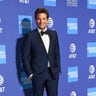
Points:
[(41, 21)]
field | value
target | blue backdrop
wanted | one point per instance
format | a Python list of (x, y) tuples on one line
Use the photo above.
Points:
[(75, 23)]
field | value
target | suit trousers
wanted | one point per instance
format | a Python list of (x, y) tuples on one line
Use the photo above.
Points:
[(45, 80)]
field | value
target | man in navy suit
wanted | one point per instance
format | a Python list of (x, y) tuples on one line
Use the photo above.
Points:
[(41, 56)]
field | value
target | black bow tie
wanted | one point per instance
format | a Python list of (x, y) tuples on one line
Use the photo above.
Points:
[(46, 32)]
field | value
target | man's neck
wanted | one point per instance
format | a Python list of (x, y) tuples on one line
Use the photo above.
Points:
[(42, 29)]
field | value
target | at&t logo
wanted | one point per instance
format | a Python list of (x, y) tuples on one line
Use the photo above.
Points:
[(24, 1), (0, 20), (92, 72), (50, 23), (0, 27), (2, 89), (73, 93), (72, 49), (92, 29)]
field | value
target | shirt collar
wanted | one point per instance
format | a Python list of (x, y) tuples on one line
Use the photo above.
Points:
[(39, 30)]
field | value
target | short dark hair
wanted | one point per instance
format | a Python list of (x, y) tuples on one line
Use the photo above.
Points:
[(41, 10)]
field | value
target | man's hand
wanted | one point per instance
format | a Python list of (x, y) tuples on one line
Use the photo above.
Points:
[(30, 77)]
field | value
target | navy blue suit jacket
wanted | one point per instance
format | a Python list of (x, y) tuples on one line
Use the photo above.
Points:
[(35, 57)]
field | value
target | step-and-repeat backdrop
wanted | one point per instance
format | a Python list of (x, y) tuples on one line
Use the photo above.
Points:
[(75, 22)]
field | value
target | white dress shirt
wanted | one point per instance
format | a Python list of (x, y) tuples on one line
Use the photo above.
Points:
[(46, 41)]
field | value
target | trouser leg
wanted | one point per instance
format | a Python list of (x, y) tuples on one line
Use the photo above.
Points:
[(38, 87), (52, 87)]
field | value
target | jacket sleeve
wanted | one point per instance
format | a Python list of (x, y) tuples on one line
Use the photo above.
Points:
[(26, 54), (57, 53)]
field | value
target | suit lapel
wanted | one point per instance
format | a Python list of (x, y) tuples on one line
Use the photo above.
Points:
[(40, 40), (50, 45)]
